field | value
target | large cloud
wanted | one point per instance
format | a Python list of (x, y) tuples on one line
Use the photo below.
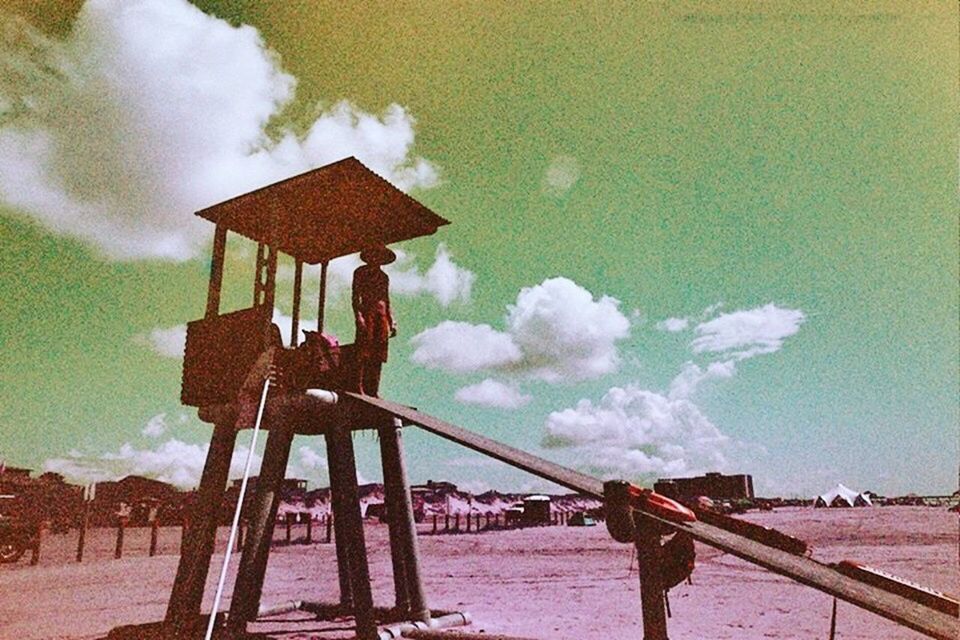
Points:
[(151, 109), (746, 333), (555, 331), (639, 434)]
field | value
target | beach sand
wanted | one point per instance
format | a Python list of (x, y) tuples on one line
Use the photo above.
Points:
[(548, 582)]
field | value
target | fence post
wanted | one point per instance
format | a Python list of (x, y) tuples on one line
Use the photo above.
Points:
[(84, 522), (309, 528), (329, 519), (434, 523), (154, 531), (35, 551), (118, 550)]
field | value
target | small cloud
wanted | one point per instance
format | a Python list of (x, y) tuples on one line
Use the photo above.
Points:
[(444, 280), (169, 342), (156, 426), (691, 375), (673, 325), (491, 393), (462, 347), (561, 175), (747, 333)]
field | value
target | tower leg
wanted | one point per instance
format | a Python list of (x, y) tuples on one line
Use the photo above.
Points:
[(263, 516), (338, 510), (342, 456), (651, 584), (403, 527), (394, 503), (183, 611)]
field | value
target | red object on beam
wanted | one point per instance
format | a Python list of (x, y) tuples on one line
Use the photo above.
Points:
[(659, 505)]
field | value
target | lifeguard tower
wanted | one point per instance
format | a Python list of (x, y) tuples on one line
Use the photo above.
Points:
[(333, 211), (341, 209)]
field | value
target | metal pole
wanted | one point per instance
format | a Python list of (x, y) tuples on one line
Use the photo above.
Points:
[(395, 472), (216, 271), (321, 302), (183, 610), (295, 320), (647, 542)]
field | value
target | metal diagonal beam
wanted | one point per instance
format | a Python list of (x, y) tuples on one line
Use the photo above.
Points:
[(807, 571)]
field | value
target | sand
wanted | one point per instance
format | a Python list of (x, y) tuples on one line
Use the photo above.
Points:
[(550, 582)]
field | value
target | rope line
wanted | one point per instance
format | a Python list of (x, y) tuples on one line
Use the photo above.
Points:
[(236, 512)]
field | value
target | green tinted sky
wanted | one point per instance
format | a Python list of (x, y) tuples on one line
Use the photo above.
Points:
[(797, 154)]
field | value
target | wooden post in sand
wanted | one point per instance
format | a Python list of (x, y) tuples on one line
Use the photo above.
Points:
[(84, 523), (198, 536), (403, 528), (309, 539), (328, 520), (37, 540), (652, 599), (263, 516), (154, 531), (118, 550)]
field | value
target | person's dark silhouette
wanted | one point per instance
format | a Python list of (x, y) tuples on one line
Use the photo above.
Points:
[(371, 310)]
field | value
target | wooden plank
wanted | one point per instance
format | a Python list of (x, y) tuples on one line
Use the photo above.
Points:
[(573, 480), (804, 570)]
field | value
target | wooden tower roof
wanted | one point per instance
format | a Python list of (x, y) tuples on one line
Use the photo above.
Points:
[(332, 211)]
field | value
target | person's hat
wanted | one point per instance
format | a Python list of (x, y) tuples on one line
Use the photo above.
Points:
[(378, 255)]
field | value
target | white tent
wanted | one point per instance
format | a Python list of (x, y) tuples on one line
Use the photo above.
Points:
[(841, 496)]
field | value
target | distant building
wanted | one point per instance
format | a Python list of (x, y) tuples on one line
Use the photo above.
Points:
[(536, 510), (712, 485), (434, 487)]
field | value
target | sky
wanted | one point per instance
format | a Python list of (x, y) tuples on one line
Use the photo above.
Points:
[(685, 237)]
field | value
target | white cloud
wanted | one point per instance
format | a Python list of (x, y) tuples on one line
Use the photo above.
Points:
[(462, 347), (156, 426), (444, 280), (556, 332), (691, 375), (168, 342), (564, 333), (638, 434), (561, 175), (176, 462), (491, 393), (151, 109), (746, 333), (673, 325)]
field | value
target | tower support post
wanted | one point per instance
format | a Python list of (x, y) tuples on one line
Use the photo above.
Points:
[(338, 511), (350, 523), (183, 610), (403, 531), (262, 518)]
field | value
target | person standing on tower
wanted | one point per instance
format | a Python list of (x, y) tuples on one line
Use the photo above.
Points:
[(371, 310)]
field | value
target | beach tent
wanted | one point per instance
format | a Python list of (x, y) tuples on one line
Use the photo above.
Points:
[(841, 496)]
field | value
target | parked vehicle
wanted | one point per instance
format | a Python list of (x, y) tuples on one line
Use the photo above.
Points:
[(16, 534)]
